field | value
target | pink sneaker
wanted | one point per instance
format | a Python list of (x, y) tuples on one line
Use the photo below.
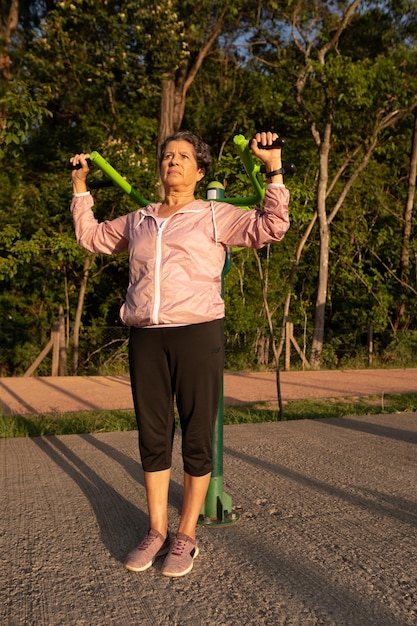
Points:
[(141, 558), (181, 556)]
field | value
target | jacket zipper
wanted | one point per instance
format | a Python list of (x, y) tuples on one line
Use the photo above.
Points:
[(157, 282), (158, 263)]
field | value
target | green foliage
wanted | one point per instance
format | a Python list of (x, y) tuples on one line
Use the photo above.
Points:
[(21, 111), (403, 348), (66, 424), (104, 350), (116, 421), (86, 75)]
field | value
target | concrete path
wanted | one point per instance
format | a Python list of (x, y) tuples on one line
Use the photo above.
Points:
[(327, 533)]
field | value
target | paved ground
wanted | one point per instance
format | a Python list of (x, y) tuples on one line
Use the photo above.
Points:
[(327, 533)]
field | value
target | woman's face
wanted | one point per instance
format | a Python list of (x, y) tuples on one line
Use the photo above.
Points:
[(179, 170)]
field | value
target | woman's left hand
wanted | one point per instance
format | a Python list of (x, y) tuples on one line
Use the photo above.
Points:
[(266, 139), (271, 157)]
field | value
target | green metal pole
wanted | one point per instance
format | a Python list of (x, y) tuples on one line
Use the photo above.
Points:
[(217, 508)]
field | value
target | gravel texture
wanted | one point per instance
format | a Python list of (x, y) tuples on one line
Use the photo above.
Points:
[(327, 533)]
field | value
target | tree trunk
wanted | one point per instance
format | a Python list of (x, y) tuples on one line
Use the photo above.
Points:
[(78, 314), (62, 361), (407, 225), (174, 89), (264, 283), (166, 112), (291, 281), (7, 27), (320, 309)]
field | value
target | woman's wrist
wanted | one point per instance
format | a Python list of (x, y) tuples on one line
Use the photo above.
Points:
[(273, 173), (272, 169), (79, 187)]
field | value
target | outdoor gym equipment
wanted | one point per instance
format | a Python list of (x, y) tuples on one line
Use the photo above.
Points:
[(217, 509), (253, 171)]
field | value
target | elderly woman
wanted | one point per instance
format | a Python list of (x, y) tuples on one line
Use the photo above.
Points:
[(174, 309)]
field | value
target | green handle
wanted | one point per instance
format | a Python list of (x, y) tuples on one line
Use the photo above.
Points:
[(252, 170), (118, 180), (241, 143)]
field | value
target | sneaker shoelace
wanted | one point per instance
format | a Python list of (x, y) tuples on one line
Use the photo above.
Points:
[(146, 542), (178, 547)]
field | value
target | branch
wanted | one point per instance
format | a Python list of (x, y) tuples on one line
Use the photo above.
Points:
[(291, 280), (187, 78), (203, 52), (362, 165), (392, 273), (342, 168), (342, 25), (389, 120), (294, 30), (299, 86), (266, 305), (363, 281)]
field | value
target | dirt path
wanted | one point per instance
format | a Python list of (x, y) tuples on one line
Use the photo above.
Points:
[(69, 393)]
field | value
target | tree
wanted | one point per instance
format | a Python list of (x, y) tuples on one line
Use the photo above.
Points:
[(74, 58), (404, 267), (180, 35), (89, 75), (9, 16), (332, 88)]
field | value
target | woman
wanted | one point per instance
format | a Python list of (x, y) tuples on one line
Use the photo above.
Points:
[(175, 310)]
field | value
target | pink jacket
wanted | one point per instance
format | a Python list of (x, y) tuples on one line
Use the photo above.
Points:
[(175, 268)]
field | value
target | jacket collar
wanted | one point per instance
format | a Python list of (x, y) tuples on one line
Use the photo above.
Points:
[(195, 206)]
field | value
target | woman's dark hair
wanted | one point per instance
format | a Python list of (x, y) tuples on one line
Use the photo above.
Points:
[(201, 149)]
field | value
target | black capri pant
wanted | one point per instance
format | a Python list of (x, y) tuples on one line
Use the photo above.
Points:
[(185, 363)]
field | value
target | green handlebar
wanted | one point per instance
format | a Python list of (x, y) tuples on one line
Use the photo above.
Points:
[(117, 179), (252, 170), (241, 143)]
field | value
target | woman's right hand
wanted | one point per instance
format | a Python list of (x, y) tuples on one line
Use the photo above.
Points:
[(79, 176)]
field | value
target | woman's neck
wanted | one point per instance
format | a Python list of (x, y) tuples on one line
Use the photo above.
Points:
[(173, 198), (173, 202)]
